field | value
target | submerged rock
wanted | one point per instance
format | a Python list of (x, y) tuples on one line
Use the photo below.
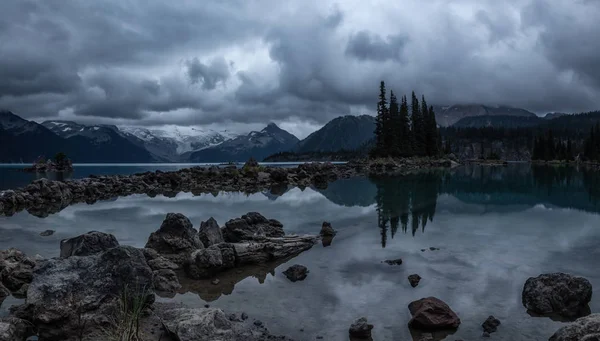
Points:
[(393, 261), (175, 239), (584, 329), (491, 324), (327, 230), (212, 324), (296, 273), (360, 329), (557, 294), (47, 233), (87, 244), (210, 233), (250, 226), (430, 314), (414, 280)]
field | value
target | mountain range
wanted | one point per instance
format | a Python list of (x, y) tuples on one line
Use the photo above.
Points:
[(29, 140)]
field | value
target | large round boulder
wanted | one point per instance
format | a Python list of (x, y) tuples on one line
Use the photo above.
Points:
[(87, 244), (430, 314), (557, 294), (583, 329)]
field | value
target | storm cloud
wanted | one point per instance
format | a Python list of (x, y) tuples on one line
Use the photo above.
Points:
[(297, 63)]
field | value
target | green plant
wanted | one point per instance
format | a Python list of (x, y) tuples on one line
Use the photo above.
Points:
[(126, 322)]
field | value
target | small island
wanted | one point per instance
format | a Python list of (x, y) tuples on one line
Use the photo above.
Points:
[(60, 163)]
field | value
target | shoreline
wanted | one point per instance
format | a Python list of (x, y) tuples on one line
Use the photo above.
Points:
[(43, 197)]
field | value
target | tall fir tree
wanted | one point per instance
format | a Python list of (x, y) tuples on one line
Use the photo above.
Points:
[(392, 133), (405, 135), (416, 126), (435, 133), (380, 121)]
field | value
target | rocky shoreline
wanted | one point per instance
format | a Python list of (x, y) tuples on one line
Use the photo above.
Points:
[(99, 290), (43, 197)]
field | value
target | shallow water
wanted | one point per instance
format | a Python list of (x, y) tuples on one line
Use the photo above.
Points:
[(495, 227)]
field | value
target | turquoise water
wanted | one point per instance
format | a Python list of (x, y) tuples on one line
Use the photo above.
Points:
[(495, 227)]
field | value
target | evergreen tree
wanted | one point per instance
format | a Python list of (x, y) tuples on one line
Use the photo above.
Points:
[(416, 126), (392, 137), (405, 135), (380, 121)]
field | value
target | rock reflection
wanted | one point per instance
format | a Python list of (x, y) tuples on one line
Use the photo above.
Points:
[(209, 292)]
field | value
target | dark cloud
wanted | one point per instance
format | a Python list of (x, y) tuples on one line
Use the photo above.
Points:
[(209, 75), (233, 61), (368, 46)]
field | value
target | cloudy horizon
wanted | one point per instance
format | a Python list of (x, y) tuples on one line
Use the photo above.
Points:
[(239, 65)]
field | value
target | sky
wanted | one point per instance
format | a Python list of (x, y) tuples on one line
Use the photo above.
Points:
[(240, 64)]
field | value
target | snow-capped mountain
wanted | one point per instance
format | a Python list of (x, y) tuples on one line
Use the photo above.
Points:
[(187, 138), (258, 144)]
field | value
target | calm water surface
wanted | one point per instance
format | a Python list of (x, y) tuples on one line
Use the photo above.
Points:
[(495, 227)]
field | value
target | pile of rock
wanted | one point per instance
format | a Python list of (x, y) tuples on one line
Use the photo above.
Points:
[(80, 292)]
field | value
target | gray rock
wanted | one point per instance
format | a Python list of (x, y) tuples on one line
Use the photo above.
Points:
[(47, 233), (14, 329), (64, 289), (430, 314), (557, 294), (87, 244), (393, 261), (414, 280), (206, 263), (272, 249), (166, 281), (210, 233), (251, 226), (279, 175), (296, 273), (327, 230), (361, 329), (4, 293), (175, 239), (583, 329), (212, 324), (491, 324), (16, 269), (158, 262)]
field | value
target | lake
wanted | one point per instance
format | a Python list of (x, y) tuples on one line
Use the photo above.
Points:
[(495, 227)]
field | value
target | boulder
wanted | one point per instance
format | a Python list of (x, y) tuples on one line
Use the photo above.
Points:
[(251, 226), (14, 329), (47, 233), (212, 324), (296, 273), (491, 324), (87, 244), (430, 314), (584, 329), (557, 294), (16, 269), (210, 233), (206, 263), (68, 292), (166, 281), (361, 329), (327, 230), (272, 249), (4, 293), (175, 239), (397, 261), (414, 280)]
